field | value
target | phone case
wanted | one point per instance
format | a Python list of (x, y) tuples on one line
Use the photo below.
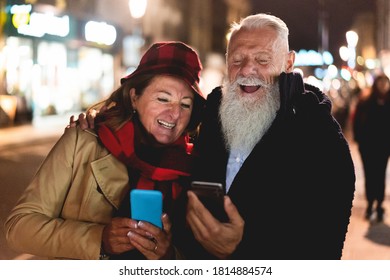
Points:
[(146, 205), (211, 194)]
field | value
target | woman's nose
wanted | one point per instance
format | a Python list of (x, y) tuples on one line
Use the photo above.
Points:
[(175, 110)]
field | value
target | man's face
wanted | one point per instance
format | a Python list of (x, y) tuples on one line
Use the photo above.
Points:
[(258, 54)]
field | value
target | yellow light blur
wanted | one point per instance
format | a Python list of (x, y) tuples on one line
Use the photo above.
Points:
[(360, 60), (8, 105), (20, 19)]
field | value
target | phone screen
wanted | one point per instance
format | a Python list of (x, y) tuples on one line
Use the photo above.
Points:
[(146, 205), (211, 194)]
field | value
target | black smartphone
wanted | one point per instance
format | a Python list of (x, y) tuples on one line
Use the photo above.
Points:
[(211, 194)]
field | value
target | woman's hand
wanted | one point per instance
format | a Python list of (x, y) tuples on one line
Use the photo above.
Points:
[(114, 239), (124, 234), (154, 243)]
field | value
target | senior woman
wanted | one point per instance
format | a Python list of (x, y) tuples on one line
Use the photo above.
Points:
[(77, 205)]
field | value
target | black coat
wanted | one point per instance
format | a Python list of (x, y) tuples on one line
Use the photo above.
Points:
[(371, 126), (295, 189)]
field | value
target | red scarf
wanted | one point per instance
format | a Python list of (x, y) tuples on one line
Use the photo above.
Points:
[(159, 166)]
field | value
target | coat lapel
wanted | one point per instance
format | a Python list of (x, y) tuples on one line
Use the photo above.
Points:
[(112, 178)]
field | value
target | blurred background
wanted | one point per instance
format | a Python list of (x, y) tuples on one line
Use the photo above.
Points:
[(60, 56), (57, 57)]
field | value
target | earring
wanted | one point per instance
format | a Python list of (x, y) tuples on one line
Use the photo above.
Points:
[(134, 111)]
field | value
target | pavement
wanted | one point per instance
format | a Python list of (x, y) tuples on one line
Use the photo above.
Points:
[(40, 128), (365, 240)]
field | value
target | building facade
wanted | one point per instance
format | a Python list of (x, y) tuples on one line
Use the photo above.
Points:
[(383, 34), (61, 56)]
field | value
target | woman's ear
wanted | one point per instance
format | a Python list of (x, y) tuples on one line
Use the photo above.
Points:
[(133, 98)]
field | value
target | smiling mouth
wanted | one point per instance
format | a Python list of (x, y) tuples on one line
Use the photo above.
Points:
[(166, 124), (249, 89)]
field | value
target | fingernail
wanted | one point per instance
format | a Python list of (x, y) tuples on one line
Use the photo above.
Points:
[(140, 223), (129, 234)]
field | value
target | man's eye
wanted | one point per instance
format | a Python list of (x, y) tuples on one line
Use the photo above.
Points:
[(262, 61)]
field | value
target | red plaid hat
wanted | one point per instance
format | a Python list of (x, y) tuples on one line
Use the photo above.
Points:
[(171, 58)]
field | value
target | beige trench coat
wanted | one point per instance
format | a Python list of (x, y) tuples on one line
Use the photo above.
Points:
[(63, 211)]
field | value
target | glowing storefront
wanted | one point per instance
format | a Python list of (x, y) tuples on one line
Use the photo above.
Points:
[(53, 63)]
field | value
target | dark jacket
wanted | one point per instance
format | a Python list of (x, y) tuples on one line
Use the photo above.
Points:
[(295, 189), (371, 126)]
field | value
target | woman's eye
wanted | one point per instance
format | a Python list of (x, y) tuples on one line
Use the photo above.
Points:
[(186, 106), (162, 99)]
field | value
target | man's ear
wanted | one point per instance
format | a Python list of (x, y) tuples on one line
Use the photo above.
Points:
[(290, 61)]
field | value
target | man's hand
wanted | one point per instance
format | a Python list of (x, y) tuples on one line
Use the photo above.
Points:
[(219, 239), (291, 86), (84, 120)]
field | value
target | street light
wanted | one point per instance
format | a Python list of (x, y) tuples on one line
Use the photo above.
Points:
[(352, 39), (137, 8), (132, 44), (344, 53)]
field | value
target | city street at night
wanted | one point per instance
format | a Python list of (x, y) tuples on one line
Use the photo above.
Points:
[(22, 149), (262, 96)]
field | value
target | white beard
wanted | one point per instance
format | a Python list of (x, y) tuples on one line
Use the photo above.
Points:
[(246, 118)]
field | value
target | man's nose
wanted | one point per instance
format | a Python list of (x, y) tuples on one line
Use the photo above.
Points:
[(249, 68)]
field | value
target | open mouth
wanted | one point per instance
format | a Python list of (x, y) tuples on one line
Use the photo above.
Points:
[(249, 89), (166, 124)]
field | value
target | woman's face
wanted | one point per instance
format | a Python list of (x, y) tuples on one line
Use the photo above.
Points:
[(164, 108)]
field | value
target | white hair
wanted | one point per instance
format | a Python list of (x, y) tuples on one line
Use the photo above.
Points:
[(260, 21), (246, 118)]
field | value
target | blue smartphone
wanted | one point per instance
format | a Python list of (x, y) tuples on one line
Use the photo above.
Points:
[(146, 205)]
